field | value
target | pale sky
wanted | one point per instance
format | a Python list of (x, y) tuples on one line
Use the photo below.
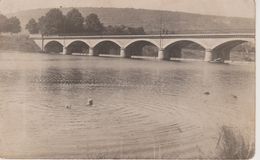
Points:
[(235, 8)]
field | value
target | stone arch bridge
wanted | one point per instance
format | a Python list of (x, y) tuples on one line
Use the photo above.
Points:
[(213, 45)]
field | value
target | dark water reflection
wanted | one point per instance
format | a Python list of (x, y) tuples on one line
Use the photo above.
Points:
[(142, 109)]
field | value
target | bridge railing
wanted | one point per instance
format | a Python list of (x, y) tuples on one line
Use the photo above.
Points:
[(245, 35)]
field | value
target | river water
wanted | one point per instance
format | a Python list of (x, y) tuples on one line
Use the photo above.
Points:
[(142, 108)]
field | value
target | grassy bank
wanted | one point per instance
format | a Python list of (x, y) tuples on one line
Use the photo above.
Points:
[(18, 43), (233, 145)]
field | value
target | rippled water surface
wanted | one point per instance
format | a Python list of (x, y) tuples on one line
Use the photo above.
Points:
[(142, 108)]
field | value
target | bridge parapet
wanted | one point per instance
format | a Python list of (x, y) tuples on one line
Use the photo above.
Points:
[(223, 35)]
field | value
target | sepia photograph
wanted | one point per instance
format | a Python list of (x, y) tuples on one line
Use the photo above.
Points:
[(127, 79)]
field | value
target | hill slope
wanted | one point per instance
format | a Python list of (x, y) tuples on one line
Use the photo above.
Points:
[(177, 22), (18, 43)]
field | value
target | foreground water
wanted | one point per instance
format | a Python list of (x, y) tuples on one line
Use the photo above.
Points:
[(142, 109)]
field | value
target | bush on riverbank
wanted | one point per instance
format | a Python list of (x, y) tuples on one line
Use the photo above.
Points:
[(18, 43), (232, 145)]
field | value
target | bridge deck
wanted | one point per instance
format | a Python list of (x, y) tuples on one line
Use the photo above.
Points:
[(166, 36)]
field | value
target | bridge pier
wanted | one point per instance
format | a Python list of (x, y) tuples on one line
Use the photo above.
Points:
[(161, 55), (122, 52), (43, 50), (64, 51), (91, 51), (208, 55)]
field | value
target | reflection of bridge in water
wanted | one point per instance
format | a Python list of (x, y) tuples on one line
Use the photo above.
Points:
[(165, 46)]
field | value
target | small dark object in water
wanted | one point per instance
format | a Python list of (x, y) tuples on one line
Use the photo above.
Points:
[(90, 102), (68, 107), (206, 93), (234, 96)]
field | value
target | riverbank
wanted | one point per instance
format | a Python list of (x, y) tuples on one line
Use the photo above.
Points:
[(18, 43)]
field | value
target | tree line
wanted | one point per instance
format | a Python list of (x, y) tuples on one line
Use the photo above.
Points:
[(73, 23), (9, 25)]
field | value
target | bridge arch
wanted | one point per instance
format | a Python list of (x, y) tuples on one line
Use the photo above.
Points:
[(141, 48), (107, 47), (53, 47), (105, 40), (77, 46), (185, 49), (229, 50), (146, 40)]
